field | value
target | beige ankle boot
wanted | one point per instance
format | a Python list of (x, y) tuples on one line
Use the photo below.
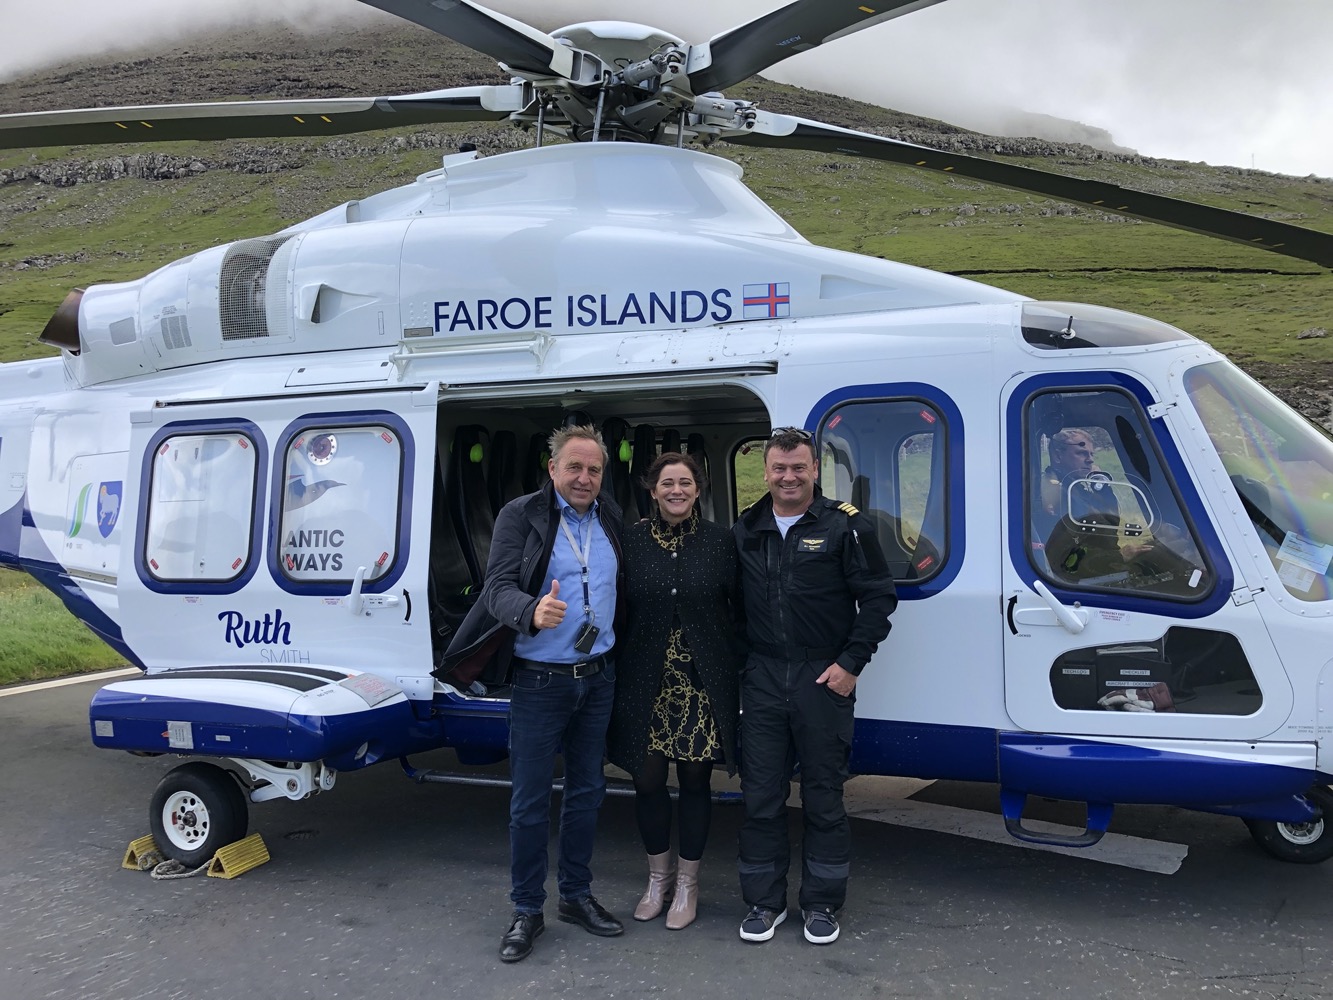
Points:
[(683, 907), (661, 883)]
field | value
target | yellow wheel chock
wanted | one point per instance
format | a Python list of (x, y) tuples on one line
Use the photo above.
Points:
[(229, 861), (238, 858)]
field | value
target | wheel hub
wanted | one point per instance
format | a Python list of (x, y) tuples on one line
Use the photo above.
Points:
[(1302, 833), (185, 820)]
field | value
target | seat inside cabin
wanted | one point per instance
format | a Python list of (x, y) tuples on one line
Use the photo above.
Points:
[(490, 452)]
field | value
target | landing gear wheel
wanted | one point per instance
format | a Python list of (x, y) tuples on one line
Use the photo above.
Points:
[(196, 809), (1302, 843)]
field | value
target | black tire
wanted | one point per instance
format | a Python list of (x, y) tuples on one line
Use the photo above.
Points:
[(196, 809), (241, 802), (1300, 843)]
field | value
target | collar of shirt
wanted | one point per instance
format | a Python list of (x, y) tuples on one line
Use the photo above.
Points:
[(567, 509)]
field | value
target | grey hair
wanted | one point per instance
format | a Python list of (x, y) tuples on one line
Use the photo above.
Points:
[(561, 436)]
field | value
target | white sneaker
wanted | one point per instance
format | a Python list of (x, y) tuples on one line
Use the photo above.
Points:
[(760, 923), (821, 926)]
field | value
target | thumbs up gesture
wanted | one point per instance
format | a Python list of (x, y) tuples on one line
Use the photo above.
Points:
[(550, 610)]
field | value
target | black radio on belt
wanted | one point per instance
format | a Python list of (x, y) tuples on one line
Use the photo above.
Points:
[(587, 636)]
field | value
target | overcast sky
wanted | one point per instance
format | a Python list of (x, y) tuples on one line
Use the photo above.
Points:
[(1237, 82)]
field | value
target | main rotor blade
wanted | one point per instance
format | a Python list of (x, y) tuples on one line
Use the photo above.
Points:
[(1265, 234), (256, 119), (521, 47), (751, 48)]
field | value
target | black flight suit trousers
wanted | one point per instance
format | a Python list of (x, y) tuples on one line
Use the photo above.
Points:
[(788, 720)]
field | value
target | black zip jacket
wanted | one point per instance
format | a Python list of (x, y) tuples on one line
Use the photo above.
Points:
[(525, 530), (823, 592)]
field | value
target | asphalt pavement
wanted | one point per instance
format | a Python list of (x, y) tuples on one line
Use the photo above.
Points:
[(386, 888)]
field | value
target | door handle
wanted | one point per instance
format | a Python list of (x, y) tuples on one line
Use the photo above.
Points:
[(354, 599), (359, 603), (1073, 619)]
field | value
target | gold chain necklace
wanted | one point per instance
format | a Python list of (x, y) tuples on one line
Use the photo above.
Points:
[(670, 536)]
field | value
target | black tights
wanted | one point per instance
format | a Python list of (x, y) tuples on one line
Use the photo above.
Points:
[(652, 805)]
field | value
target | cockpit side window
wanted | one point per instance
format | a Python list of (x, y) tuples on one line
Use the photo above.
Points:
[(1102, 511)]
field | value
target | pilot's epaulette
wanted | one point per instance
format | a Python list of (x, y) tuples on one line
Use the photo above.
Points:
[(848, 509)]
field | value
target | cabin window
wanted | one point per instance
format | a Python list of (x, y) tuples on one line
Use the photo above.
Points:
[(340, 503), (1102, 513), (889, 459), (200, 507)]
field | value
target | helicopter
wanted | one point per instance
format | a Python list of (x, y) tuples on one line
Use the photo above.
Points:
[(267, 473)]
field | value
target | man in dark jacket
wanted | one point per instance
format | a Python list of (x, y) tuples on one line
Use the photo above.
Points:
[(818, 594), (546, 619)]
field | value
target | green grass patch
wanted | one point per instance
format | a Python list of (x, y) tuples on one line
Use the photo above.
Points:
[(40, 639)]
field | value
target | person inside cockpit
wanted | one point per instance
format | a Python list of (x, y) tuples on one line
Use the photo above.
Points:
[(1099, 530), (1079, 519), (1070, 481)]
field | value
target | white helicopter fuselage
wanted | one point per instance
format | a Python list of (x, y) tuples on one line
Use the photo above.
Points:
[(269, 466)]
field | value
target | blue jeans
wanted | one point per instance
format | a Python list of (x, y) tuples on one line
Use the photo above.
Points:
[(552, 713)]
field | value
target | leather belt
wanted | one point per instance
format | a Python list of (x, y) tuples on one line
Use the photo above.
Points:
[(584, 668), (796, 654)]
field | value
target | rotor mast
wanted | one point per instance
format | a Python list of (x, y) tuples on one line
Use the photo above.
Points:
[(628, 83)]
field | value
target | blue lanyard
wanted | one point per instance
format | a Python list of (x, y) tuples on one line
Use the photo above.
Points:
[(582, 558)]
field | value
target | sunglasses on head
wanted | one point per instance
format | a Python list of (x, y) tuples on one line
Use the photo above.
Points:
[(800, 432)]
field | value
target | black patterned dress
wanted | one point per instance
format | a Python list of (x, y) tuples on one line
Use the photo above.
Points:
[(677, 672), (683, 727)]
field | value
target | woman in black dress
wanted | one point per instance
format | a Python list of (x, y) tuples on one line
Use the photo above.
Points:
[(677, 679)]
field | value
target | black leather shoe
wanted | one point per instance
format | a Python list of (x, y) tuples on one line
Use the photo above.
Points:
[(516, 945), (590, 915)]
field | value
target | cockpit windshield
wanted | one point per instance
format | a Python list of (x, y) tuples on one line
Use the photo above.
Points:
[(1282, 467)]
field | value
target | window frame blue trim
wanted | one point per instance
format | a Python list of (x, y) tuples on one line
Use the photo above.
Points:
[(955, 469), (1182, 483), (402, 553), (182, 428)]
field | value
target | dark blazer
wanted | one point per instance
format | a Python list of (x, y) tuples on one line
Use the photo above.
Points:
[(701, 586), (525, 529)]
